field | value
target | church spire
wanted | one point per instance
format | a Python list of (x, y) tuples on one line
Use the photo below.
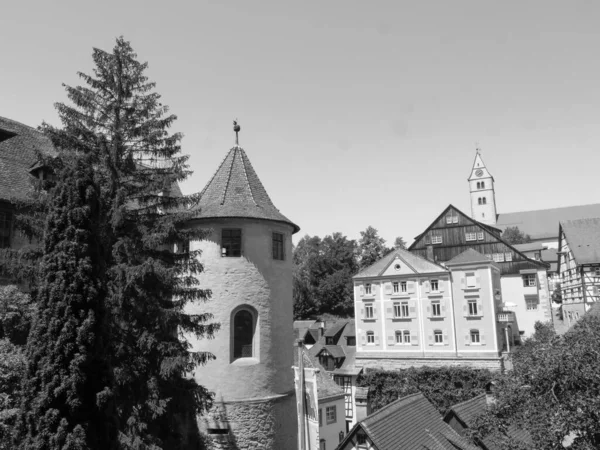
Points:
[(483, 196)]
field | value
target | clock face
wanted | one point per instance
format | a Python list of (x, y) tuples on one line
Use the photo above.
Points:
[(479, 172)]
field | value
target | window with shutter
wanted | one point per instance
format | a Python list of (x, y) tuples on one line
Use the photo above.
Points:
[(413, 309), (480, 307), (481, 338), (467, 338), (411, 287), (414, 340), (446, 340), (388, 288)]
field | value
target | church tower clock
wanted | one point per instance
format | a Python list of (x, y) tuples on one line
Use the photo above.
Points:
[(483, 197)]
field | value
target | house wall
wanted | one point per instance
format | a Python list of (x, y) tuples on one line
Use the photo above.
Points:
[(331, 432), (352, 444)]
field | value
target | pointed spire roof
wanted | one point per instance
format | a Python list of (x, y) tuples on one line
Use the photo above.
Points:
[(236, 191), (479, 169)]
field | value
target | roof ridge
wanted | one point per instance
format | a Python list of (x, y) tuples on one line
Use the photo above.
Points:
[(389, 405), (467, 401), (21, 124), (235, 149), (244, 158), (550, 209)]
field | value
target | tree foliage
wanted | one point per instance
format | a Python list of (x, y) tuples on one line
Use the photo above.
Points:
[(553, 391), (323, 270), (443, 386), (371, 247), (117, 124), (400, 243), (513, 236)]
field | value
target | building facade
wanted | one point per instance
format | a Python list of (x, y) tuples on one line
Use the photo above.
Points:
[(412, 312), (248, 268), (579, 267)]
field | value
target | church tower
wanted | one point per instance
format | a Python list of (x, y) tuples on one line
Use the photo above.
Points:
[(483, 196), (248, 267)]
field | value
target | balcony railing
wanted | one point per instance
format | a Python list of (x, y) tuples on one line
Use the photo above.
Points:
[(506, 316)]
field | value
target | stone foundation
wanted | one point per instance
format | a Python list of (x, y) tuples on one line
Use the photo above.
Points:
[(494, 364)]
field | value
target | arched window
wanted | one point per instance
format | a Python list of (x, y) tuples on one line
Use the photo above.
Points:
[(478, 185), (483, 185), (243, 334), (484, 200), (479, 200)]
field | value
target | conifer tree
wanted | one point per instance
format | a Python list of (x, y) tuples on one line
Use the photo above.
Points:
[(118, 122), (66, 391)]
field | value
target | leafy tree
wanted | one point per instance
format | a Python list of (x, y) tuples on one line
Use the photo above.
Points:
[(399, 243), (553, 391), (12, 367), (371, 247), (119, 124), (513, 236), (16, 313), (323, 275), (442, 386)]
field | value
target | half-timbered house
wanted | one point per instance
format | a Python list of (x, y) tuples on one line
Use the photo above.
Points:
[(524, 280), (579, 266)]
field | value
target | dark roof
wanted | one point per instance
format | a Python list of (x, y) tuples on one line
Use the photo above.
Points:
[(411, 423), (543, 223), (348, 366), (335, 329), (415, 262), (334, 350), (469, 256), (326, 387), (236, 191), (583, 237), (19, 147)]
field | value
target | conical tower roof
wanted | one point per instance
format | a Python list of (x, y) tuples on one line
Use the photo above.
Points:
[(236, 191)]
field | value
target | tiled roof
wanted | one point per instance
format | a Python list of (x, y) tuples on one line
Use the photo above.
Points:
[(583, 237), (335, 350), (418, 264), (236, 191), (18, 154), (529, 247), (469, 256), (349, 366), (335, 329), (326, 387), (544, 222), (411, 423)]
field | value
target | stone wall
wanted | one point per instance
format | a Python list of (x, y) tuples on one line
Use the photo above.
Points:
[(495, 364)]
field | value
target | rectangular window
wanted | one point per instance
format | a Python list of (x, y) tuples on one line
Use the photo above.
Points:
[(498, 257), (448, 219), (398, 337), (454, 219), (480, 236), (473, 307), (368, 289), (471, 236), (474, 336), (508, 256), (438, 337), (370, 337), (471, 280), (434, 285), (529, 280), (351, 341), (397, 310), (436, 239), (436, 309), (320, 417), (361, 439), (369, 311), (231, 242), (406, 336), (395, 287), (403, 286), (532, 303), (5, 228), (278, 246), (405, 309)]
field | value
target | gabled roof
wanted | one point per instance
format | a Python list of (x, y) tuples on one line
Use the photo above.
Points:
[(326, 388), (415, 262), (334, 350), (543, 223), (478, 164), (335, 329), (583, 237), (469, 256), (529, 247), (349, 366), (410, 423), (19, 147), (236, 191)]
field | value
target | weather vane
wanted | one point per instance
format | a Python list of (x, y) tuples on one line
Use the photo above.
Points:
[(237, 129)]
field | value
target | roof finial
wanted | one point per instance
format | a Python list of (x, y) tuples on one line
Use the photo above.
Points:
[(237, 129), (477, 149)]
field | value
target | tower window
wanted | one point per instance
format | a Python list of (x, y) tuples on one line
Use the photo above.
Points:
[(479, 201), (482, 185), (278, 246), (243, 334), (484, 201), (231, 242)]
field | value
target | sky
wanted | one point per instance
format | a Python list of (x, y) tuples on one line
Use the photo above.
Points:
[(353, 113)]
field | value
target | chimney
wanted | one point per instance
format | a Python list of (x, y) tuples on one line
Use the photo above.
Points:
[(363, 408), (430, 253)]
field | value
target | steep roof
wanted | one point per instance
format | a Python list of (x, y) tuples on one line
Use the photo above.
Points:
[(479, 165), (543, 223), (415, 262), (19, 145), (326, 387), (469, 256), (529, 247), (335, 329), (236, 191), (583, 237), (411, 423)]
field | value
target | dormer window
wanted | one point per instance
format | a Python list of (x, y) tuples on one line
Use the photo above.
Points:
[(329, 341), (231, 242)]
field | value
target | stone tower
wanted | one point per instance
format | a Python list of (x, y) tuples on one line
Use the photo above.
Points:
[(483, 196), (248, 268)]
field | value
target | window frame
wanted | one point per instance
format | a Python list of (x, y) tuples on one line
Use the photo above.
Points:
[(471, 236), (370, 337), (436, 239), (435, 283), (473, 308), (480, 235), (369, 311), (403, 287), (405, 308), (529, 280), (438, 337), (368, 290), (331, 418), (228, 241), (470, 276), (475, 334), (406, 337), (278, 244), (436, 308), (395, 287), (254, 335)]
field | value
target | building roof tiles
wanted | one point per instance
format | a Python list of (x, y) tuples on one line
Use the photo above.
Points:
[(415, 262), (583, 237)]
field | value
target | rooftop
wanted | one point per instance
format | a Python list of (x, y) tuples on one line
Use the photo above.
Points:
[(583, 237), (326, 387), (414, 262), (469, 256)]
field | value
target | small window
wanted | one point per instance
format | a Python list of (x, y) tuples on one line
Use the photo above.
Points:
[(231, 242), (398, 337), (474, 336), (278, 246), (320, 417), (482, 185), (471, 236), (5, 228), (480, 236), (448, 219), (498, 257), (369, 311), (322, 444), (370, 337), (329, 341), (508, 256), (484, 200), (434, 285), (361, 439), (406, 336), (403, 286), (395, 287), (243, 334), (478, 185), (473, 308), (532, 303), (436, 309), (479, 201), (405, 309), (438, 337), (368, 289), (454, 219), (436, 239), (471, 281), (397, 310), (351, 341), (529, 280)]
